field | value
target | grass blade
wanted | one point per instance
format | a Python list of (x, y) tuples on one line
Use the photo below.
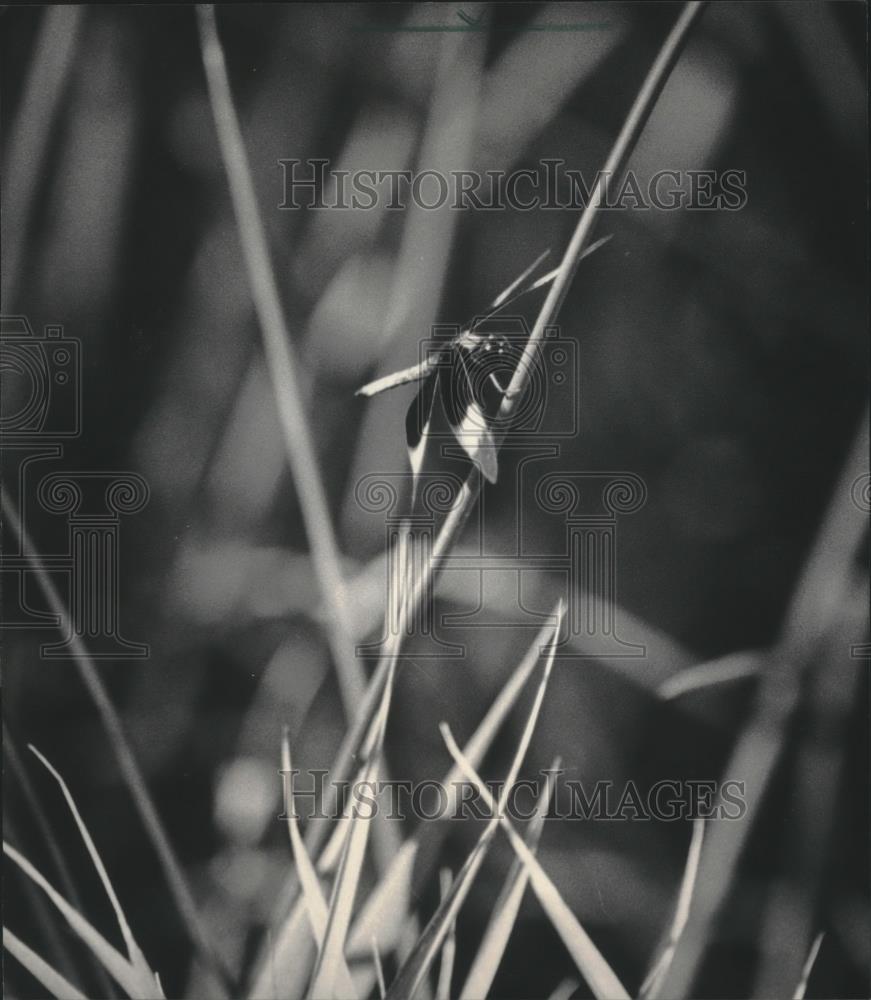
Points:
[(282, 364), (288, 958), (331, 955), (67, 882), (128, 977), (652, 984), (32, 132), (564, 990), (53, 981), (599, 975), (495, 940), (45, 918), (449, 948), (315, 902), (414, 970), (807, 968), (134, 953), (724, 670), (379, 970)]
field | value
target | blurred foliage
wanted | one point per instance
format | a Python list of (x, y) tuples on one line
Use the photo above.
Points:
[(723, 359)]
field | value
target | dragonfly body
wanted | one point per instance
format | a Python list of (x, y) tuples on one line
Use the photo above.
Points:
[(464, 380)]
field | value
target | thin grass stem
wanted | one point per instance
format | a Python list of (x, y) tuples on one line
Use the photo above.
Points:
[(468, 494), (282, 364), (44, 92)]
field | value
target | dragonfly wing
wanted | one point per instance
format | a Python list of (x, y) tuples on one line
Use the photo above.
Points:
[(467, 419), (412, 374), (517, 288), (478, 442), (504, 295), (417, 421)]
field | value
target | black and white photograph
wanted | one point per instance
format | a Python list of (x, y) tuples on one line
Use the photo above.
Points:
[(434, 552)]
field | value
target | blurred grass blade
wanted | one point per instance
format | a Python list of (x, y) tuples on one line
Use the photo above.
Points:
[(379, 970), (449, 948), (653, 982), (331, 954), (801, 989), (331, 855), (387, 906), (281, 363), (308, 877), (48, 977), (599, 975), (293, 950), (495, 940), (732, 667), (134, 953), (414, 970), (565, 990), (131, 979), (44, 93)]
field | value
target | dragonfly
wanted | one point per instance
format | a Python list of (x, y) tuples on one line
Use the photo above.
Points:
[(468, 376)]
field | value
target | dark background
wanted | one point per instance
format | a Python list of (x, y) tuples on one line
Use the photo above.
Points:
[(723, 359)]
